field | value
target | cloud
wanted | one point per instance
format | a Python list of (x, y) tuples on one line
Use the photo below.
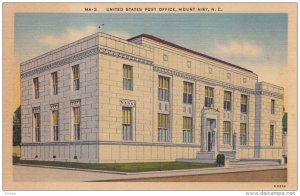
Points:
[(235, 48), (71, 35), (66, 37)]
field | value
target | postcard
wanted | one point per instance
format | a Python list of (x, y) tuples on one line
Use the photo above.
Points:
[(170, 96)]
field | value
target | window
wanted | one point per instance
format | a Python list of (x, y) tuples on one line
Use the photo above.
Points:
[(76, 77), (127, 123), (187, 92), (37, 127), (76, 123), (209, 97), (227, 100), (227, 133), (36, 88), (127, 77), (187, 130), (244, 100), (163, 88), (243, 134), (272, 106), (163, 128), (55, 125), (271, 135), (54, 83)]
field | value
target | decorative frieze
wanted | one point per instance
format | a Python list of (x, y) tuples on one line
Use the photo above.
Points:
[(64, 61), (83, 55), (269, 93), (124, 56), (127, 103), (54, 107), (36, 110), (75, 103)]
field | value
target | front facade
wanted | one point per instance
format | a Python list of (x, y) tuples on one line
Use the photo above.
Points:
[(103, 99)]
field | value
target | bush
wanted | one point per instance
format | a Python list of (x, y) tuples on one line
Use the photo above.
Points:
[(221, 160), (285, 159)]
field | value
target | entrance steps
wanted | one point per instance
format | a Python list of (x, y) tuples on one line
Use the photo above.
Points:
[(205, 156), (231, 155)]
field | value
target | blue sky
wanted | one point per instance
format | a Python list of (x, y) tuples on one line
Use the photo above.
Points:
[(205, 33), (254, 41)]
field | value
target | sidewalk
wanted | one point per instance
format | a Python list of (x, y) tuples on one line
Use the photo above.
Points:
[(97, 175)]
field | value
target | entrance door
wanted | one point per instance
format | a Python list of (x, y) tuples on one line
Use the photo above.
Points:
[(211, 125), (209, 141)]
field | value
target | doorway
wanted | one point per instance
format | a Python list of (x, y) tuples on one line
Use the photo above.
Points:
[(210, 128)]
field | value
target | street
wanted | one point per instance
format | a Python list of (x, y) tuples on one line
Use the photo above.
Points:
[(39, 174), (279, 175)]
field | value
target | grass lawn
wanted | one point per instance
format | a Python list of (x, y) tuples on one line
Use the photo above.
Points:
[(122, 167)]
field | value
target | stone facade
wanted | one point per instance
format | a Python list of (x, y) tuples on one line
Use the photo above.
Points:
[(102, 98)]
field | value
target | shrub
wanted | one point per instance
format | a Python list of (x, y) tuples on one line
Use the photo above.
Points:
[(285, 159), (220, 160)]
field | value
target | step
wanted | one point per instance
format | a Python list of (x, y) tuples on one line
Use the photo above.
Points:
[(205, 156)]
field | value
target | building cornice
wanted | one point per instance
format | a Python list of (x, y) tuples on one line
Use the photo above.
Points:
[(62, 62), (83, 55), (269, 93), (124, 56)]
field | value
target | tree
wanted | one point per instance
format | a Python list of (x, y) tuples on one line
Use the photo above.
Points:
[(284, 121), (17, 127)]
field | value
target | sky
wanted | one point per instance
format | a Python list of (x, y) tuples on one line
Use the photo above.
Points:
[(254, 41)]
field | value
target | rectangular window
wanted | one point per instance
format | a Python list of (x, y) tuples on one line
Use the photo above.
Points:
[(187, 130), (76, 77), (272, 106), (244, 103), (127, 77), (76, 123), (127, 123), (227, 100), (55, 118), (271, 135), (209, 97), (36, 88), (37, 127), (54, 83), (243, 134), (163, 88), (227, 133), (163, 128), (187, 92)]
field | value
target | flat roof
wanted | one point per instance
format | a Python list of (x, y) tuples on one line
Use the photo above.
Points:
[(186, 49)]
